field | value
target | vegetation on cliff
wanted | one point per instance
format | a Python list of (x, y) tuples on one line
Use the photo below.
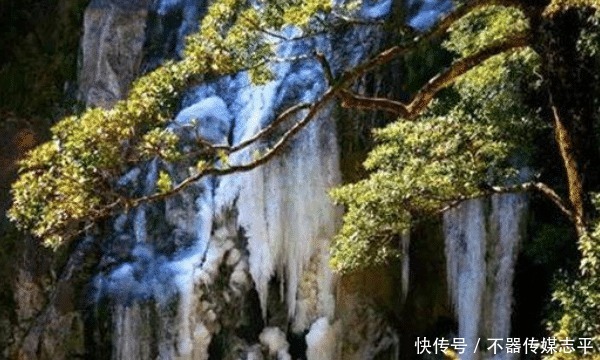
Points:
[(522, 70)]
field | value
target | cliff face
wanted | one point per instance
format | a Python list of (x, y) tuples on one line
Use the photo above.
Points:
[(234, 262), (19, 138), (111, 45), (39, 45), (237, 267)]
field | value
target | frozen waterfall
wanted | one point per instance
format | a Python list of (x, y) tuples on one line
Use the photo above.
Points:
[(175, 275), (481, 253)]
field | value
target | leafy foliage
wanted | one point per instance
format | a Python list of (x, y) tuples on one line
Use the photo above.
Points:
[(578, 297), (71, 179), (562, 5), (589, 39), (579, 301), (578, 294), (463, 143), (483, 28), (68, 180)]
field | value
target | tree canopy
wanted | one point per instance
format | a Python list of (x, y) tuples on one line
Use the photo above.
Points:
[(520, 69)]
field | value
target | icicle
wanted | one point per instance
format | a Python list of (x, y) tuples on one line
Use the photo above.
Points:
[(465, 232), (321, 341), (275, 341), (293, 186), (283, 210), (506, 220), (205, 214), (480, 266), (139, 225), (131, 338)]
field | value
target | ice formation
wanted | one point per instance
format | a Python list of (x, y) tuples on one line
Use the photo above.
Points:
[(320, 340), (293, 187), (429, 11), (481, 253), (377, 9), (184, 264), (276, 342)]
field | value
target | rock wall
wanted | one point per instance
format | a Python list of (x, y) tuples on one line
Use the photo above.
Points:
[(112, 43)]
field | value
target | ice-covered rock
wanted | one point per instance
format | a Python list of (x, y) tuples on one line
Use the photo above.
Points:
[(208, 120)]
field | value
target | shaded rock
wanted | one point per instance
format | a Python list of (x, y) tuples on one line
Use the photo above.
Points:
[(114, 35)]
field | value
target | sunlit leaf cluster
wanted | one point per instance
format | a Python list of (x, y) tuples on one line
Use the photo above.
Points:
[(71, 179), (485, 27), (564, 5)]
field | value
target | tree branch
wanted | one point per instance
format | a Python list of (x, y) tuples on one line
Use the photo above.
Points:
[(563, 134), (338, 88), (326, 67), (281, 118), (267, 130), (441, 27), (427, 92), (437, 83), (357, 21), (540, 187), (353, 100), (270, 153), (551, 195)]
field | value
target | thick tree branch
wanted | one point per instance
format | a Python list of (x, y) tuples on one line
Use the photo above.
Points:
[(420, 101), (427, 92), (441, 27), (325, 66), (566, 145), (551, 195), (357, 21), (539, 187), (264, 158), (266, 130), (286, 114), (338, 88), (353, 100)]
